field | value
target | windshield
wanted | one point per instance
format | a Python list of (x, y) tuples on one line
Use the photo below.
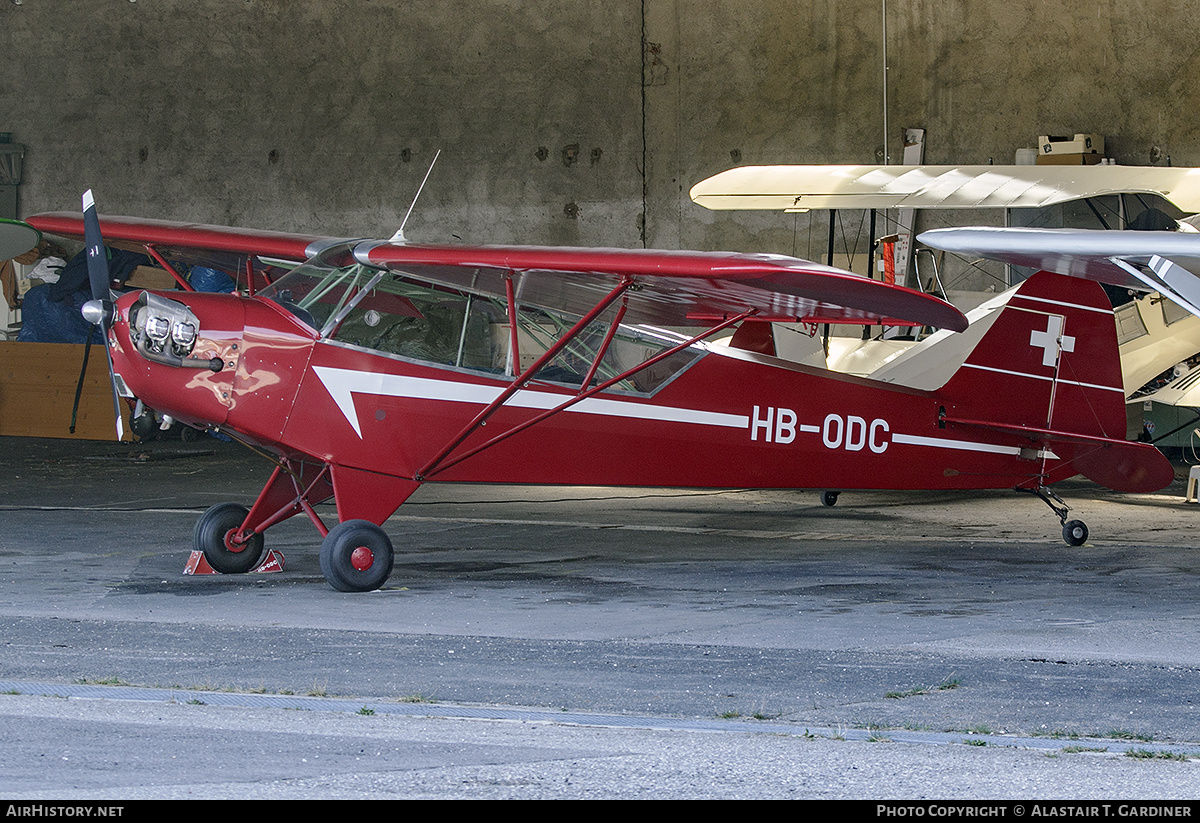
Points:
[(362, 306)]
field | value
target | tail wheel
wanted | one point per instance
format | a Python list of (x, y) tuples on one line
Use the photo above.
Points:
[(356, 556), (1075, 532), (829, 499), (216, 535)]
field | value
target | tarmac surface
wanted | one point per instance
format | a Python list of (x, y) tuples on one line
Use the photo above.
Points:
[(587, 642)]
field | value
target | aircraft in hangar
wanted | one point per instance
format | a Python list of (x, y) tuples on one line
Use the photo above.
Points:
[(372, 367), (1164, 263), (803, 187)]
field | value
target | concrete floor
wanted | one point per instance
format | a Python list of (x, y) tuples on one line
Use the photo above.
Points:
[(922, 619)]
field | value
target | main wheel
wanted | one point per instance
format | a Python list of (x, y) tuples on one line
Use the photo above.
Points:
[(143, 426), (829, 499), (214, 533), (356, 556), (1075, 532)]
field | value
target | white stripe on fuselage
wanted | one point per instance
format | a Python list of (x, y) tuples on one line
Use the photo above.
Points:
[(342, 384), (964, 445)]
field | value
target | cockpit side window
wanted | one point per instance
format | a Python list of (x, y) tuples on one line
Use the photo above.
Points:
[(386, 312), (443, 327)]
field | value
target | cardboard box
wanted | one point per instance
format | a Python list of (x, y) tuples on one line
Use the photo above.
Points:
[(1079, 144), (150, 277), (1069, 159)]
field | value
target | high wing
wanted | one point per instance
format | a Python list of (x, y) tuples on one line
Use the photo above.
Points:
[(1162, 261), (667, 287), (376, 366), (193, 243), (941, 187), (672, 288)]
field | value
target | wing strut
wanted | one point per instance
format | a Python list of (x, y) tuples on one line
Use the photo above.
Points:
[(585, 394), (160, 260), (528, 374)]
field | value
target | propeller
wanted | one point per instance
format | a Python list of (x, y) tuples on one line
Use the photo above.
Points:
[(99, 310)]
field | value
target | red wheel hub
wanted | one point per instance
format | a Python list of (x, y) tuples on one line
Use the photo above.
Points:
[(362, 558), (231, 541)]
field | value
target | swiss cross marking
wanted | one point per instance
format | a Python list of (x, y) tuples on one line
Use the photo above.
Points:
[(1052, 340)]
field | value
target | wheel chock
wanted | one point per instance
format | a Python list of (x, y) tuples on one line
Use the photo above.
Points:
[(273, 563), (197, 564)]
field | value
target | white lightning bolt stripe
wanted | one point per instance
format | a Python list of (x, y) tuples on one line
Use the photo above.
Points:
[(343, 384)]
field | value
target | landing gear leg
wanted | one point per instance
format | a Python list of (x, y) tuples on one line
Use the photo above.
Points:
[(231, 536), (1075, 532)]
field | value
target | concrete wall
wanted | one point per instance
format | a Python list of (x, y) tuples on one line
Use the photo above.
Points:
[(323, 115)]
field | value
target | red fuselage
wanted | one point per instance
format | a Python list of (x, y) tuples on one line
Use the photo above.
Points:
[(731, 419)]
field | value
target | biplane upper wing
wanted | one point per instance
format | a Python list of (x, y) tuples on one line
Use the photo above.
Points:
[(776, 188), (668, 287), (1163, 261)]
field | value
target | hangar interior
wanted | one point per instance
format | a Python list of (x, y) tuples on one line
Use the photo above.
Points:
[(941, 617), (559, 124)]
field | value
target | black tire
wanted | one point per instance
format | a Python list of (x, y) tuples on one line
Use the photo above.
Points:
[(212, 534), (143, 426), (356, 556), (1075, 532), (829, 499)]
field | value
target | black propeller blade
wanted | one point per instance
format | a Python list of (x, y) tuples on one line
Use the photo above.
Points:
[(98, 310)]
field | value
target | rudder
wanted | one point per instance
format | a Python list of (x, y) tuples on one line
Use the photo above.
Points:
[(1050, 361), (1049, 369)]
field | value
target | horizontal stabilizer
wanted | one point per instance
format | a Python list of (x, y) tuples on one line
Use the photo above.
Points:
[(1124, 466), (1119, 465)]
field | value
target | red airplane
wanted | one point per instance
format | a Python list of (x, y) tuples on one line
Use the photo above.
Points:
[(376, 366)]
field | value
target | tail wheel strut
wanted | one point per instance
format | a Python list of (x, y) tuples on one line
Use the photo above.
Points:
[(1075, 532)]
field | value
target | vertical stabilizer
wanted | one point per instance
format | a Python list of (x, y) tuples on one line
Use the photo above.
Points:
[(1049, 369), (1049, 361)]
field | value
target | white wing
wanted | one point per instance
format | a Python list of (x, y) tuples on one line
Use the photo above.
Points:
[(777, 188), (1163, 261)]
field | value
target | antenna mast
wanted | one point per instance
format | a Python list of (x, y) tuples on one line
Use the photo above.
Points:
[(398, 237)]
